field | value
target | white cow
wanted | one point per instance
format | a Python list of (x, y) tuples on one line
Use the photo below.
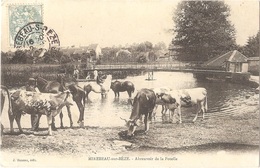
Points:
[(187, 97), (49, 104), (159, 92)]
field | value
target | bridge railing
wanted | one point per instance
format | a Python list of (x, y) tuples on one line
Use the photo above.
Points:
[(155, 65), (145, 66)]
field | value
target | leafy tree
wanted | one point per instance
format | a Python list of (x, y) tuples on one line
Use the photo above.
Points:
[(202, 30), (160, 46), (141, 47), (4, 58), (149, 45), (252, 47), (65, 59), (19, 57)]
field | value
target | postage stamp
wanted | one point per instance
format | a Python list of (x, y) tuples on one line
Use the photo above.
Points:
[(20, 15)]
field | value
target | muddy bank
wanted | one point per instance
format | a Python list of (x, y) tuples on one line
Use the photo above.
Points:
[(230, 131)]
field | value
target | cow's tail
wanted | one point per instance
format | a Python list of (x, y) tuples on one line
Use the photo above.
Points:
[(206, 104)]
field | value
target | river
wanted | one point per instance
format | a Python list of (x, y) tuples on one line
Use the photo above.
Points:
[(223, 99)]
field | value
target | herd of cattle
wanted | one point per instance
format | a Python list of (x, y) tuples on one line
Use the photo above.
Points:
[(49, 97)]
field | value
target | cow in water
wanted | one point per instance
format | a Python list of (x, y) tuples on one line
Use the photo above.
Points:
[(143, 104), (49, 104), (188, 98), (118, 86)]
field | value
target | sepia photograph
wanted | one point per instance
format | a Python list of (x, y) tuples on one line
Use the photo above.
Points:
[(126, 83)]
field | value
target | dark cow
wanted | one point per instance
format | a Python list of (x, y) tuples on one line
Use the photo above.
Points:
[(118, 86), (143, 104), (49, 104)]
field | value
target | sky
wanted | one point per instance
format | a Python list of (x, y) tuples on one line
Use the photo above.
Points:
[(121, 22)]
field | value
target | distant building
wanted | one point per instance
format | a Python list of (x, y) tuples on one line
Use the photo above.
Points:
[(97, 50), (93, 51), (232, 61), (123, 55)]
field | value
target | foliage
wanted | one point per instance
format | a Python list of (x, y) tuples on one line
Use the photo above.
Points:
[(202, 30), (251, 49)]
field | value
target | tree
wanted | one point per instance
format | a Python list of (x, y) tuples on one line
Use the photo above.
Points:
[(19, 57), (252, 47), (202, 30), (160, 46)]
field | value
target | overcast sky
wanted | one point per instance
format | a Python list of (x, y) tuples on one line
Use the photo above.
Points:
[(109, 23)]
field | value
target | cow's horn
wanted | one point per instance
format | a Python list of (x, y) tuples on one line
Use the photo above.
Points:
[(123, 119)]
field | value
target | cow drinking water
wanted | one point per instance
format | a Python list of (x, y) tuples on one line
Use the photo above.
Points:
[(143, 104), (189, 98)]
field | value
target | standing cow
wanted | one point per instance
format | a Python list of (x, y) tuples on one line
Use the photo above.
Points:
[(118, 86), (49, 104), (187, 97), (143, 104)]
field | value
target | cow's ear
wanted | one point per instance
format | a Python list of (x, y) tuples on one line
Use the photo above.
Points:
[(131, 101), (172, 100)]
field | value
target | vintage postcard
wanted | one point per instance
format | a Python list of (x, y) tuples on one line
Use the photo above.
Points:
[(120, 83)]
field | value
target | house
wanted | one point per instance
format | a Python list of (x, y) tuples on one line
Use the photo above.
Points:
[(123, 55), (233, 61), (96, 49), (162, 55), (93, 51)]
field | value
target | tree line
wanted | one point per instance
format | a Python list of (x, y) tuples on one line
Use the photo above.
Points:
[(139, 52), (203, 30)]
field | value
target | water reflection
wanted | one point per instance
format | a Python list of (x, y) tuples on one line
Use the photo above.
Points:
[(223, 98)]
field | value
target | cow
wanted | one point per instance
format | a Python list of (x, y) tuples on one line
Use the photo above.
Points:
[(5, 96), (187, 97), (49, 104), (143, 104), (159, 92)]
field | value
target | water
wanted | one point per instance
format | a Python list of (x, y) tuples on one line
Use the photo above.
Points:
[(223, 99)]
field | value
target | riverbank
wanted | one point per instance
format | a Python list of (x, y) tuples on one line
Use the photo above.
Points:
[(228, 137), (255, 81)]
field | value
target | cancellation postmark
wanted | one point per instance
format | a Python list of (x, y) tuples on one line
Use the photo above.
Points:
[(38, 35)]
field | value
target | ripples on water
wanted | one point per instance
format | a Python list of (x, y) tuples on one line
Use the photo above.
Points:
[(223, 98)]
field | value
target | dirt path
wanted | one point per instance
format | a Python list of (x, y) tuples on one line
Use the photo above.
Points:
[(235, 134)]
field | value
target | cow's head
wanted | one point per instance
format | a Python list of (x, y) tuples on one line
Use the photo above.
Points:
[(186, 99), (131, 125)]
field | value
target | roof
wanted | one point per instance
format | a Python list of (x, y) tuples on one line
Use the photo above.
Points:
[(92, 46), (123, 52), (253, 59), (231, 56)]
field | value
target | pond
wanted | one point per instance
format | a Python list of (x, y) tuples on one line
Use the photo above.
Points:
[(223, 99)]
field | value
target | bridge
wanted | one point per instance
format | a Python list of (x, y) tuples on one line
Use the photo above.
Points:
[(198, 71)]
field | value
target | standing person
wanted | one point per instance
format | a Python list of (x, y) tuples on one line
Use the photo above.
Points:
[(98, 78), (76, 73), (31, 86), (88, 76), (95, 75)]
